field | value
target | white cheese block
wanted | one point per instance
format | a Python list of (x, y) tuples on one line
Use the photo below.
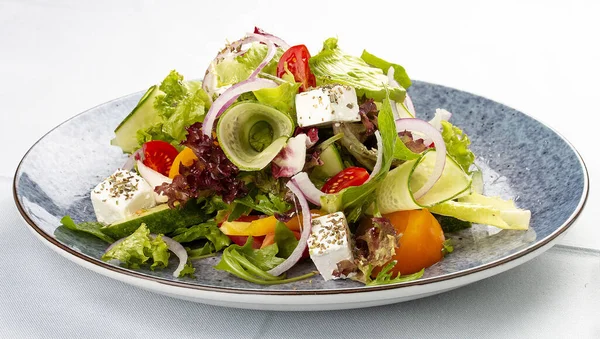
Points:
[(121, 195), (326, 105), (329, 243)]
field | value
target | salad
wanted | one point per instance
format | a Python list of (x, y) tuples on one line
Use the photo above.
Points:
[(279, 157)]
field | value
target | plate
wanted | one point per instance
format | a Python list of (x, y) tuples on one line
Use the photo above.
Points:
[(521, 159)]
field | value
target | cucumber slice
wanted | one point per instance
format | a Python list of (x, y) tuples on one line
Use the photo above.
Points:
[(142, 116), (238, 134), (487, 211), (332, 164), (396, 190)]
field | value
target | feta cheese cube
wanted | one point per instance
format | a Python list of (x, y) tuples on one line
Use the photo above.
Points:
[(326, 105), (120, 196), (329, 243)]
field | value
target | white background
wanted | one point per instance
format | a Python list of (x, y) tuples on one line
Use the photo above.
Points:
[(59, 58)]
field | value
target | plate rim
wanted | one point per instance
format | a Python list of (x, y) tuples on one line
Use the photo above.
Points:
[(66, 251)]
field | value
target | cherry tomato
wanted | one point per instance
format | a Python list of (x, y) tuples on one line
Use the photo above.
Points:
[(185, 157), (351, 176), (241, 240), (295, 59), (421, 243), (159, 156)]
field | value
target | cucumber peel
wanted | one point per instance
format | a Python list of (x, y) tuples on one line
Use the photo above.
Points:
[(141, 117), (396, 191), (237, 137), (485, 210)]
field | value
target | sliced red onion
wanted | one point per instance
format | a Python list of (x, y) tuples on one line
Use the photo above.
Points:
[(409, 105), (229, 96), (291, 159), (306, 226), (423, 127), (137, 155), (270, 53), (308, 189), (178, 250), (379, 161), (276, 40)]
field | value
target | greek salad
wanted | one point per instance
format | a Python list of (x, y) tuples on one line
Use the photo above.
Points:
[(279, 156)]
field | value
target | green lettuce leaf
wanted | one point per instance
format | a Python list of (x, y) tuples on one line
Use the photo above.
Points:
[(160, 253), (207, 230), (331, 65), (401, 152), (399, 72), (285, 239), (180, 104), (208, 250), (448, 247), (188, 270), (269, 204), (282, 97), (136, 249), (230, 71), (457, 145), (252, 264), (385, 277), (93, 228), (264, 258)]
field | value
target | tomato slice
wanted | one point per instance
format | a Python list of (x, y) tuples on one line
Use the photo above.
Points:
[(295, 59), (351, 176), (159, 156)]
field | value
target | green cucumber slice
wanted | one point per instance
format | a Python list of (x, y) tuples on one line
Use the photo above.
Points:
[(332, 164), (396, 190), (142, 116), (240, 145), (486, 210)]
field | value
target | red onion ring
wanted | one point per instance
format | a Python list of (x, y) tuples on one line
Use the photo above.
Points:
[(423, 127), (308, 189), (229, 96), (268, 57), (379, 161), (137, 155), (307, 223), (276, 40)]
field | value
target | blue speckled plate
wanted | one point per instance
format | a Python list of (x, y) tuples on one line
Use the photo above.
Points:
[(521, 159)]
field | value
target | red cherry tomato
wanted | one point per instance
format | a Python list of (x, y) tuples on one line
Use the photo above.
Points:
[(295, 59), (159, 156), (351, 176), (241, 240)]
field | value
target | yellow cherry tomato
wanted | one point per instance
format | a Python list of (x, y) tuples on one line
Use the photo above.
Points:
[(185, 157), (421, 243)]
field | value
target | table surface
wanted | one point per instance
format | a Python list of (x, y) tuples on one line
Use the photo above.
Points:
[(59, 58)]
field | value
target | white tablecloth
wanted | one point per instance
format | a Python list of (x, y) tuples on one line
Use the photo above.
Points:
[(58, 58)]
